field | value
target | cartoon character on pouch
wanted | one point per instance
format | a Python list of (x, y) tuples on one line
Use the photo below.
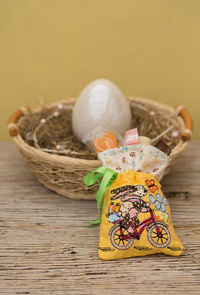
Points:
[(132, 204)]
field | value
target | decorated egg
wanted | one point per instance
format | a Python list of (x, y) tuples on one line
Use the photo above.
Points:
[(101, 104)]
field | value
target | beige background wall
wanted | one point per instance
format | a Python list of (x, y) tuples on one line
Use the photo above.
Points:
[(53, 48)]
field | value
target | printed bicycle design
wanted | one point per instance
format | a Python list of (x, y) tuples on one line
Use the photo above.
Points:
[(158, 233)]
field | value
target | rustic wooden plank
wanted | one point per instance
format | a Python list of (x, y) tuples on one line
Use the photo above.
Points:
[(47, 247)]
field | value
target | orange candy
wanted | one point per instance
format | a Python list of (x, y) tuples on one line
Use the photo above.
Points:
[(107, 141)]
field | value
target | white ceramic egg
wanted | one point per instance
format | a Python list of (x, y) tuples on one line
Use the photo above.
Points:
[(101, 104)]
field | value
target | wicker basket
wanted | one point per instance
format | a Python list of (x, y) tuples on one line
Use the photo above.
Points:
[(64, 174)]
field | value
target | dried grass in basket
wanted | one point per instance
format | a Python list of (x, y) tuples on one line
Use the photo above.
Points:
[(63, 173)]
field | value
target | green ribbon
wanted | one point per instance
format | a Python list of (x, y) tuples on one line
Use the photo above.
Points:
[(108, 176)]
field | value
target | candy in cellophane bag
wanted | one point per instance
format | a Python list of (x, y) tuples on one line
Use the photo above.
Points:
[(101, 139)]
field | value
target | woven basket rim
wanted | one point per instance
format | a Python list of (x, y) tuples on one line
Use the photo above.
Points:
[(76, 162), (71, 100)]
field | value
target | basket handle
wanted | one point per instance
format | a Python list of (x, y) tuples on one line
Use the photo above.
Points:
[(185, 115), (13, 119)]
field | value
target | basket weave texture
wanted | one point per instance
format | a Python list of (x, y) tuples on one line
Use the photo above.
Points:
[(64, 173)]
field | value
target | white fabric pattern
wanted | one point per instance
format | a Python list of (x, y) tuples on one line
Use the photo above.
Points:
[(143, 158)]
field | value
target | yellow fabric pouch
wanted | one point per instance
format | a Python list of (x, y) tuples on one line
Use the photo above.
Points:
[(135, 218)]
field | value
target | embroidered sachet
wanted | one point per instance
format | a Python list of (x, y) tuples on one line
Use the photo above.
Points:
[(136, 219)]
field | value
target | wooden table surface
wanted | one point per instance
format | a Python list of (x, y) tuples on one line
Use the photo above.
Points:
[(46, 246)]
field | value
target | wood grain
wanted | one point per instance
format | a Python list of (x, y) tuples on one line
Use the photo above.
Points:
[(47, 247)]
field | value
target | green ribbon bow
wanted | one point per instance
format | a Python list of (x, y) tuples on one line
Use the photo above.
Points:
[(108, 176)]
